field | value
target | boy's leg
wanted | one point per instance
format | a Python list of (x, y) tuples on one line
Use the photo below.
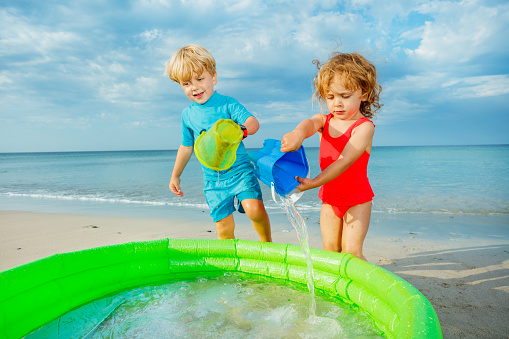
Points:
[(356, 224), (331, 226), (226, 228), (255, 210), (220, 202)]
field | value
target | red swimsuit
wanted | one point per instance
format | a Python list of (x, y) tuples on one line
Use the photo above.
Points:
[(352, 186)]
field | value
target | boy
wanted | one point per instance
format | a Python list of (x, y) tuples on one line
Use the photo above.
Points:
[(194, 69)]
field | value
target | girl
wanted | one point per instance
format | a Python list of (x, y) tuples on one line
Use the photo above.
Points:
[(347, 85)]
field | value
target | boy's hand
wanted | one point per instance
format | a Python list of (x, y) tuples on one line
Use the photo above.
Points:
[(175, 187), (291, 142)]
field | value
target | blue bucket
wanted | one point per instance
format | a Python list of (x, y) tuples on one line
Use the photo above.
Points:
[(275, 167)]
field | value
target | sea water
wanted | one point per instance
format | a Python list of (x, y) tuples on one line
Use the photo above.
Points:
[(418, 182), (234, 305)]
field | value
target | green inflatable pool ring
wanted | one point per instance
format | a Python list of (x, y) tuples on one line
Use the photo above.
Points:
[(36, 293)]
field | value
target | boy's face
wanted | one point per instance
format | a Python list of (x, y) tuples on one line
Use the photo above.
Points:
[(200, 88)]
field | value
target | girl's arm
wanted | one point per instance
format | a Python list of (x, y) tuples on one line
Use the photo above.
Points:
[(293, 140), (183, 155), (361, 139)]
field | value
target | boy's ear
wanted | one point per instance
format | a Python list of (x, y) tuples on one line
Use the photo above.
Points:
[(214, 79)]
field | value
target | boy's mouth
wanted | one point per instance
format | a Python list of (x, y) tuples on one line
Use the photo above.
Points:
[(199, 95)]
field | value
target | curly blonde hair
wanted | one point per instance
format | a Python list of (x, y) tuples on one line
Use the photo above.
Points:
[(356, 73), (189, 60)]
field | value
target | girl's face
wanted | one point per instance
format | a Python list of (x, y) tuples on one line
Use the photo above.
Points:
[(200, 88), (343, 103)]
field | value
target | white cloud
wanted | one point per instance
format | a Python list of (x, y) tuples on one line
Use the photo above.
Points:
[(151, 3), (20, 36), (460, 31), (477, 87), (137, 124), (56, 122), (401, 110), (150, 35), (385, 12), (4, 79), (410, 85)]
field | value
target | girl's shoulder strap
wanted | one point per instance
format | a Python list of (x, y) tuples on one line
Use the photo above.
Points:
[(362, 120), (325, 128), (327, 119)]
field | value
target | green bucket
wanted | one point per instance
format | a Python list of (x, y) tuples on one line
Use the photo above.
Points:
[(217, 148)]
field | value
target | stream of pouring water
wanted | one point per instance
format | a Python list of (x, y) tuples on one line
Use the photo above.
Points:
[(302, 234)]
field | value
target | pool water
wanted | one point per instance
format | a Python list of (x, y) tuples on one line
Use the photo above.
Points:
[(232, 305)]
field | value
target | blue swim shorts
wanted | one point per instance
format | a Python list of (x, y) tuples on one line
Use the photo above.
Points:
[(220, 195)]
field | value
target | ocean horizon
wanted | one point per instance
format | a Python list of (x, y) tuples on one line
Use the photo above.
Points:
[(247, 148)]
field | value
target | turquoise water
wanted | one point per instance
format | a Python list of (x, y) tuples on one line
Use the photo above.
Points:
[(448, 191), (235, 305), (448, 180)]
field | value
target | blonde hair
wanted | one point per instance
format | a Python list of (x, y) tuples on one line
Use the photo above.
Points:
[(189, 60), (356, 73)]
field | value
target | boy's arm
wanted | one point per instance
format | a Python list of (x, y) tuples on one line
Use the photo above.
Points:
[(358, 143), (252, 125), (183, 155), (293, 140)]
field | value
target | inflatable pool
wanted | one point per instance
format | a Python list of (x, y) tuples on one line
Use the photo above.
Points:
[(36, 293)]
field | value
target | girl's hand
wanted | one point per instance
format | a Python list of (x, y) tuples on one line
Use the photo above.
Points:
[(175, 187), (305, 184), (291, 142)]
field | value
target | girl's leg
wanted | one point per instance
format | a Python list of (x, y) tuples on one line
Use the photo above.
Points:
[(255, 210), (226, 228), (355, 227), (331, 226)]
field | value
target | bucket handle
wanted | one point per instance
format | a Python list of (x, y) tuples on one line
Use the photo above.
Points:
[(294, 195), (274, 195)]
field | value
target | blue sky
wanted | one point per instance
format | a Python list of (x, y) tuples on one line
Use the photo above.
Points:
[(89, 75)]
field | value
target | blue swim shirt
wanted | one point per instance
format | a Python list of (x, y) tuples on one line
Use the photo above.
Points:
[(197, 117)]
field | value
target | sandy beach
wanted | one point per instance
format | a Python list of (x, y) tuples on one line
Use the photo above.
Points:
[(466, 279)]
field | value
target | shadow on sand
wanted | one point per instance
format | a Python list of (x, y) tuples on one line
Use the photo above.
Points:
[(468, 287)]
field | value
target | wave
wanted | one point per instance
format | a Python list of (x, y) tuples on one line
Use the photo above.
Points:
[(448, 212), (304, 206), (106, 200)]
